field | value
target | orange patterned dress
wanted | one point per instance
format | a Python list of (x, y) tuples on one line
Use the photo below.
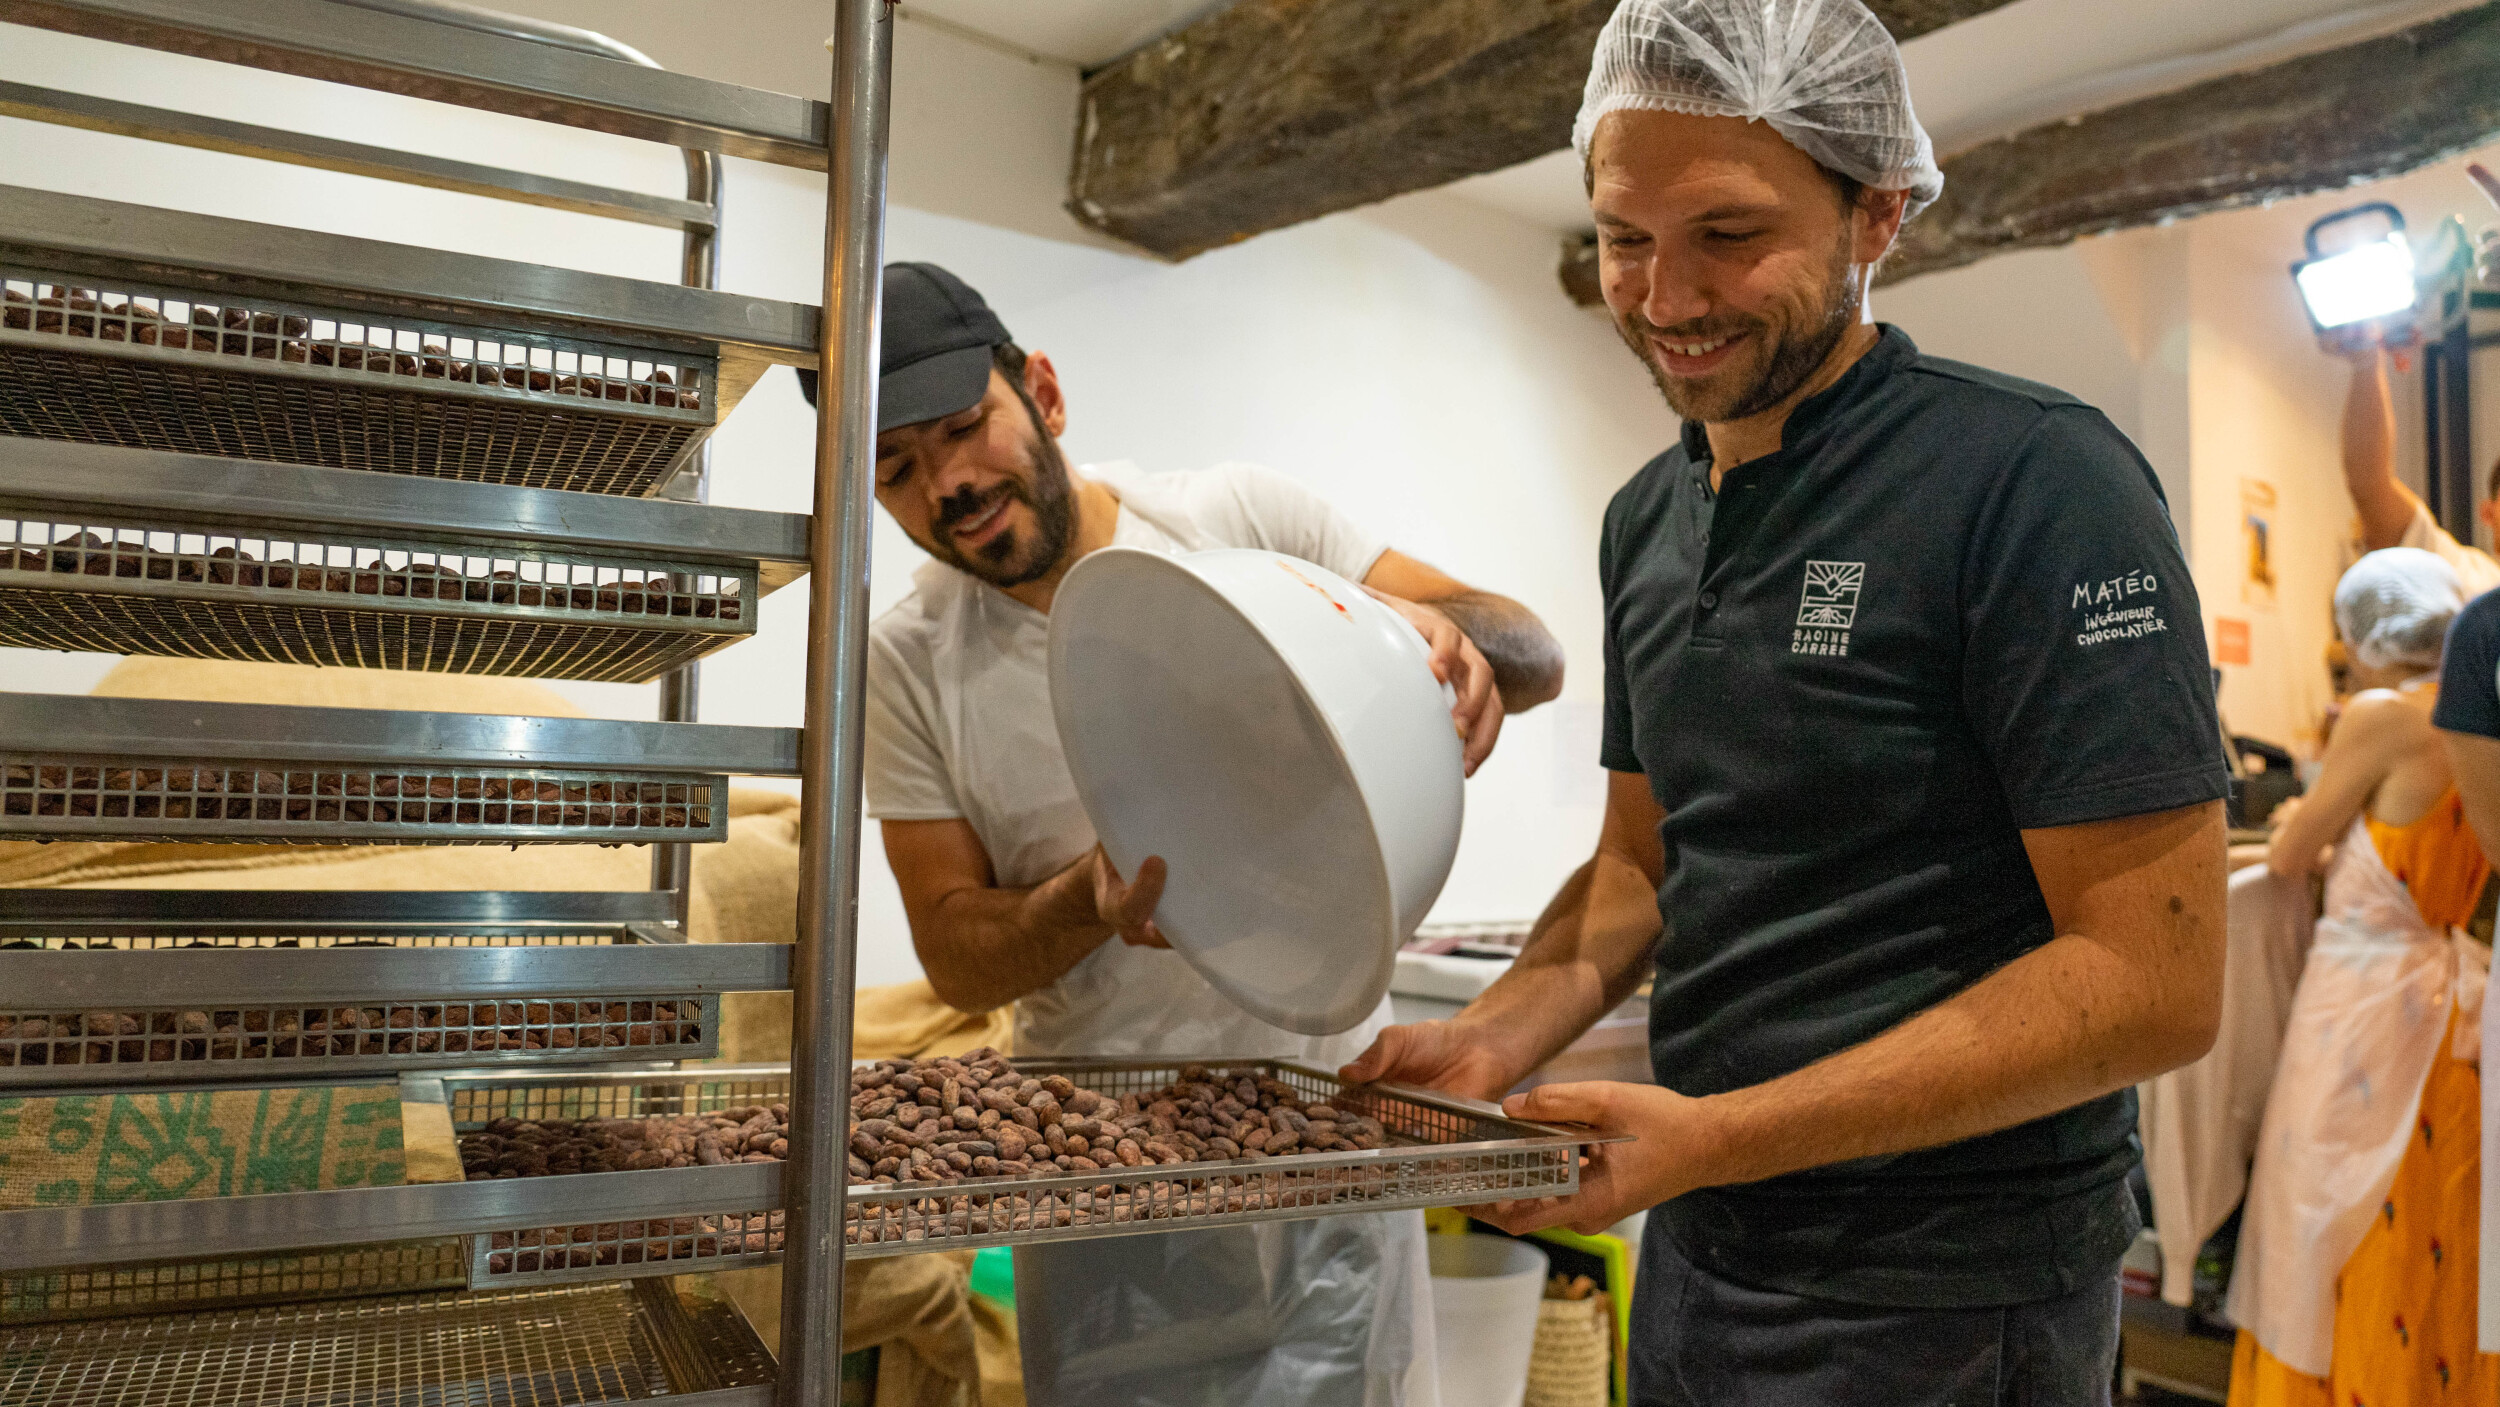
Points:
[(2405, 1303)]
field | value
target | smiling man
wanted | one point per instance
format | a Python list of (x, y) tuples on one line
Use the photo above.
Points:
[(1913, 819), (1011, 900)]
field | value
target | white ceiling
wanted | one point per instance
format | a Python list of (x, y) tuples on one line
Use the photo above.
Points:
[(1086, 33), (2011, 67)]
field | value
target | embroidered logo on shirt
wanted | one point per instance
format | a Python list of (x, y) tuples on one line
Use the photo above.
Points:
[(2110, 612), (1828, 609)]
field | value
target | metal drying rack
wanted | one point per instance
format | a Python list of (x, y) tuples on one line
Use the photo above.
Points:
[(228, 440)]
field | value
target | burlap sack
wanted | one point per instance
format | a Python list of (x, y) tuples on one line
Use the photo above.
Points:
[(82, 1149)]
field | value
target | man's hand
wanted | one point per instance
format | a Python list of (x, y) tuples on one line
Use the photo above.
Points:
[(1668, 1157), (1434, 1055), (1129, 906), (1458, 663)]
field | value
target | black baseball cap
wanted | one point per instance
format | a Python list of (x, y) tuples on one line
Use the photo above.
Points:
[(935, 357)]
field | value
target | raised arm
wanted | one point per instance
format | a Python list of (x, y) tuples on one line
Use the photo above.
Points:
[(1527, 661), (983, 946), (2386, 506), (1586, 954), (2131, 986), (1490, 649)]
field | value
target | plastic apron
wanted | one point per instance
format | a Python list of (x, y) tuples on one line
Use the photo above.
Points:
[(1334, 1312), (2367, 1021)]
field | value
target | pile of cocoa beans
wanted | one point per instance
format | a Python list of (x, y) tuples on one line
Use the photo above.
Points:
[(955, 1124), (508, 1147), (91, 554), (941, 1120), (999, 1123), (238, 332), (249, 794), (129, 1038)]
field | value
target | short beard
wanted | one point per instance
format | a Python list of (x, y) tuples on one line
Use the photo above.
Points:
[(1051, 493), (1792, 362)]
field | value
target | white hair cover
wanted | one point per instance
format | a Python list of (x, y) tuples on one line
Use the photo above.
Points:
[(1824, 73), (2394, 607)]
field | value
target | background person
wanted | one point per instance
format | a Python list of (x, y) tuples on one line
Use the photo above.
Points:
[(2353, 1280), (1912, 741), (2392, 515), (1010, 899)]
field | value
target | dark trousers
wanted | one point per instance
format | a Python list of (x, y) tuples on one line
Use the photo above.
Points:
[(1701, 1341)]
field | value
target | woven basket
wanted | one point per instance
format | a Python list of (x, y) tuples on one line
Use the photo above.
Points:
[(1573, 1364)]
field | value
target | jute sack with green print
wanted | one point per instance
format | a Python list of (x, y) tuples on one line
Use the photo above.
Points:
[(83, 1149)]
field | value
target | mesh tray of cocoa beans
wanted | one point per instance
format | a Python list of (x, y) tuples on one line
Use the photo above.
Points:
[(203, 370), (1032, 1151)]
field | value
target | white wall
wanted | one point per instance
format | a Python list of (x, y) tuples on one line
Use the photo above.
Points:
[(1415, 360)]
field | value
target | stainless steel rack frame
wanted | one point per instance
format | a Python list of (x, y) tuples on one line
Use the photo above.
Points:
[(126, 324), (74, 767), (623, 1342), (133, 552), (1447, 1151), (282, 283), (196, 986), (474, 58), (105, 1291)]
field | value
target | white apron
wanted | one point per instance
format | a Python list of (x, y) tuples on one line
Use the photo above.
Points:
[(2366, 1024), (1334, 1312)]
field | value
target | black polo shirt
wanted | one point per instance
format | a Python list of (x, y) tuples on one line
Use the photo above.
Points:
[(2469, 673), (1951, 607)]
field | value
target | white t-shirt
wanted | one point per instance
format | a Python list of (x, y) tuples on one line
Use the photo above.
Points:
[(2476, 571), (960, 725)]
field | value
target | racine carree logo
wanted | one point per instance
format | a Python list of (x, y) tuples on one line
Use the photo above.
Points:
[(1828, 608)]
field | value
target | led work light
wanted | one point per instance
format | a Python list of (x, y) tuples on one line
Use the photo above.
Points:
[(2368, 275)]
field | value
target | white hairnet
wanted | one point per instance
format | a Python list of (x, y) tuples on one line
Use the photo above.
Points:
[(1823, 73), (2394, 607)]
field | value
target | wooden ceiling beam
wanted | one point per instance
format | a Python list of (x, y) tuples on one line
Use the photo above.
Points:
[(2324, 122), (2341, 118), (1273, 112)]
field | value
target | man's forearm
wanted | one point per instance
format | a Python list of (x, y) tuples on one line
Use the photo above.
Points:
[(1527, 661), (2066, 1023), (984, 948), (1584, 957), (2386, 506)]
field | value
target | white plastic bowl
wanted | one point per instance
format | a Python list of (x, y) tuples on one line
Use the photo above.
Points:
[(1276, 735)]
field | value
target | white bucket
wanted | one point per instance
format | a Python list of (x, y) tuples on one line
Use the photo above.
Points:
[(1484, 1297)]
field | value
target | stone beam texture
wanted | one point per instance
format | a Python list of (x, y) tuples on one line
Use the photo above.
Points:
[(1272, 112), (2323, 122)]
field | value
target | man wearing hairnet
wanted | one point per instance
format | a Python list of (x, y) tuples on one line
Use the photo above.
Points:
[(1914, 815)]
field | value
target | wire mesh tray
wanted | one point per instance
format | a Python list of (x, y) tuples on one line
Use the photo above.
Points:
[(551, 1347), (206, 990), (209, 370), (104, 1041), (1445, 1152), (68, 796), (110, 1291), (161, 585), (85, 768)]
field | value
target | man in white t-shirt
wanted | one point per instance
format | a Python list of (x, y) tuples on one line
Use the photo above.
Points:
[(2391, 514), (1010, 898)]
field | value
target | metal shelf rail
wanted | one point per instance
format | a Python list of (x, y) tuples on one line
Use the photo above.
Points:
[(300, 310)]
